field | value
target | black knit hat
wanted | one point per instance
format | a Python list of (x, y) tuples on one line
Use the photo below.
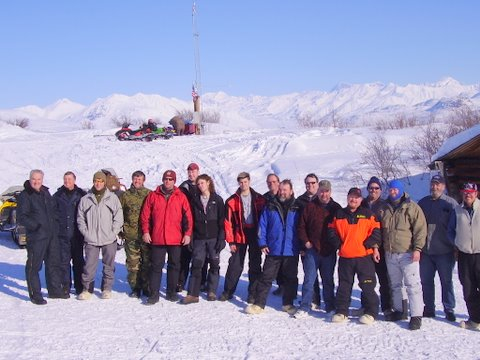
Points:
[(374, 180)]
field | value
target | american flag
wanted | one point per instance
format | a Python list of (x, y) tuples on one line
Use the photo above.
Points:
[(194, 93)]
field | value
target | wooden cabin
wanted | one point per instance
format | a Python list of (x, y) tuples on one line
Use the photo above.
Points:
[(458, 160)]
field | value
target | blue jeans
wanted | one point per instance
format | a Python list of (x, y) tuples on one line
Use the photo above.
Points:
[(313, 262), (444, 264)]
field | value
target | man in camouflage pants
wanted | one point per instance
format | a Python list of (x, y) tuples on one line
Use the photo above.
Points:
[(137, 251)]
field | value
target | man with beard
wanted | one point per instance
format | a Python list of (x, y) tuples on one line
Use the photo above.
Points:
[(278, 241), (438, 255), (464, 230)]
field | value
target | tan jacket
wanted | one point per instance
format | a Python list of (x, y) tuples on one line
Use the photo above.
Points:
[(404, 227)]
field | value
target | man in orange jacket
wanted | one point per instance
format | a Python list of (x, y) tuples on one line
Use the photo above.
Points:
[(357, 232)]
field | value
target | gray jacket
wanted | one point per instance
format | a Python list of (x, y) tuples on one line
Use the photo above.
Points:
[(464, 228), (437, 213), (100, 223)]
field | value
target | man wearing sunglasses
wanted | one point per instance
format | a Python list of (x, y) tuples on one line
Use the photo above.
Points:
[(166, 221), (374, 202), (464, 230)]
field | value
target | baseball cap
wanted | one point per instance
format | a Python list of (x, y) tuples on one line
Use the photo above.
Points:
[(169, 174), (469, 187), (438, 179), (324, 185), (356, 192), (193, 166)]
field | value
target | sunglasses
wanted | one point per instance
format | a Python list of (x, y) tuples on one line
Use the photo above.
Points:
[(373, 188), (168, 179), (310, 183)]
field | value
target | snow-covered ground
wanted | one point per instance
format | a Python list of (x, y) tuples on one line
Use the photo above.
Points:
[(123, 328)]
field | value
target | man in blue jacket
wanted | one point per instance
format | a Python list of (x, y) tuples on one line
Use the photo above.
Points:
[(278, 241), (438, 255)]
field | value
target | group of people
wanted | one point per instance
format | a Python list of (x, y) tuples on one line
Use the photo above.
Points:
[(400, 242)]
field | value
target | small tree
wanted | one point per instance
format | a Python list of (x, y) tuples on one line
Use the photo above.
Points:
[(87, 125), (427, 143), (20, 122), (387, 160), (463, 118), (123, 120)]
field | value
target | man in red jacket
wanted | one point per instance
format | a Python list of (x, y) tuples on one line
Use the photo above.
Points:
[(242, 210), (166, 221)]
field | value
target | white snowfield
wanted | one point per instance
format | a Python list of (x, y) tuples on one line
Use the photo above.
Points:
[(124, 328)]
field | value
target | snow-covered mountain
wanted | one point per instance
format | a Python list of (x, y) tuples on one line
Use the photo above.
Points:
[(358, 103)]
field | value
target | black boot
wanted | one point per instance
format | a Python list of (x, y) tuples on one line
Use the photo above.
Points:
[(405, 309), (415, 323)]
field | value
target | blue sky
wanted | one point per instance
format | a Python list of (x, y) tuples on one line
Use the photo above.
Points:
[(83, 50)]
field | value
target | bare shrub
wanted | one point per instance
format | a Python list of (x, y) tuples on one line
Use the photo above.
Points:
[(306, 121), (186, 115), (400, 121), (123, 120), (463, 118), (211, 117), (20, 122), (387, 160), (310, 121), (87, 125), (427, 143)]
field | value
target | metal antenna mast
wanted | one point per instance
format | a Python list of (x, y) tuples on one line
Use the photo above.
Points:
[(197, 85)]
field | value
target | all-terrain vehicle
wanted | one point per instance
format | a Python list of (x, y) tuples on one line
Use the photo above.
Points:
[(8, 215), (147, 132)]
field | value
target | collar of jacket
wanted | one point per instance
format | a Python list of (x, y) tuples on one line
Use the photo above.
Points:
[(28, 187), (405, 199), (64, 190), (252, 192), (475, 205), (159, 190), (134, 190)]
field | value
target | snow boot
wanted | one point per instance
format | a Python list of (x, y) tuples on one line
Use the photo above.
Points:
[(84, 295), (415, 323), (189, 299), (367, 319), (339, 318), (253, 309), (289, 309)]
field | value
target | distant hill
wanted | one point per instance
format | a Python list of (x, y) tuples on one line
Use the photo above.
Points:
[(358, 104)]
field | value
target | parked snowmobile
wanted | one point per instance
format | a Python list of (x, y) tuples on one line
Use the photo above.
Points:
[(147, 132), (8, 215)]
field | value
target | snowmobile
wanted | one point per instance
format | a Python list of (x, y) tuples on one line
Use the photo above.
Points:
[(8, 215), (147, 132)]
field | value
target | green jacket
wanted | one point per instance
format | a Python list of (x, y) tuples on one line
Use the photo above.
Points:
[(404, 227), (132, 201)]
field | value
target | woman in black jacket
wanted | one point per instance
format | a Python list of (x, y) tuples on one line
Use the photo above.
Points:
[(208, 211)]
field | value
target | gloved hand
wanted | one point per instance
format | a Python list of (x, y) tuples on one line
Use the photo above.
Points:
[(220, 245)]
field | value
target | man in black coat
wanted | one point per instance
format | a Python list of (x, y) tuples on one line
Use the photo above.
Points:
[(67, 198), (37, 212)]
